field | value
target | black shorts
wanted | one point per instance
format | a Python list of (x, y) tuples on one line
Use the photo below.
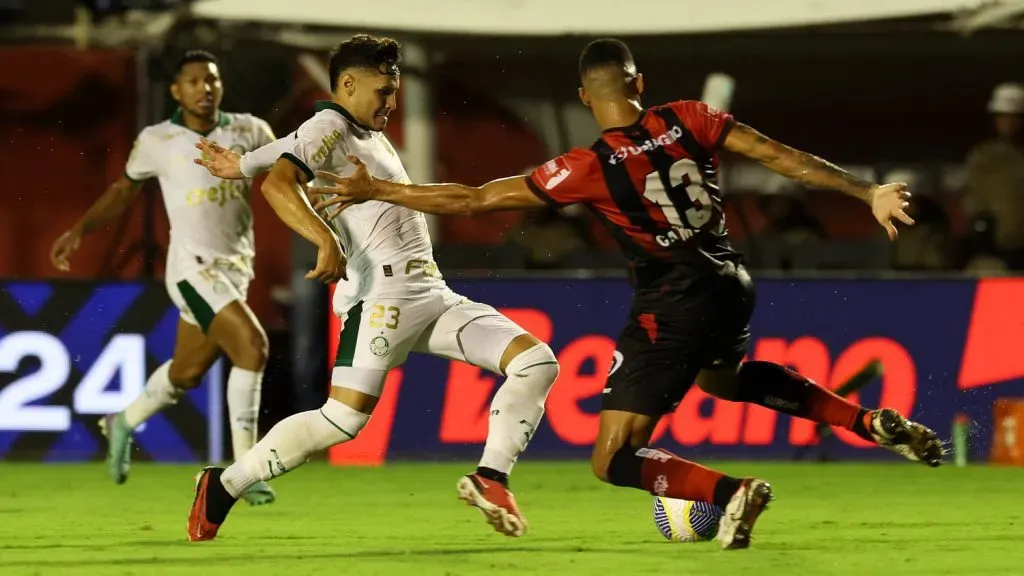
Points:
[(672, 335)]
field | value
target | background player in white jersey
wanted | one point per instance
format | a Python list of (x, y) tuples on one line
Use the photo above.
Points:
[(209, 261), (394, 303)]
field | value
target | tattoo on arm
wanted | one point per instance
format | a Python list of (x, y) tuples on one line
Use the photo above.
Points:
[(803, 167)]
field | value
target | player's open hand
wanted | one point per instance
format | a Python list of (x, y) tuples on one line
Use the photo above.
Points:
[(343, 192), (220, 161), (63, 248), (330, 263), (890, 201)]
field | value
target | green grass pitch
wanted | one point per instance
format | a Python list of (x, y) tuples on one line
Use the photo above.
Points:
[(404, 519)]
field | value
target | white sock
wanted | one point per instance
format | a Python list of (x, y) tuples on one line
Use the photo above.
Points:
[(518, 407), (158, 394), (243, 392), (291, 442)]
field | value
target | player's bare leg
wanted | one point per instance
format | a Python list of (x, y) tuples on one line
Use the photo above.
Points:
[(237, 331), (194, 354), (622, 457), (516, 411), (287, 445), (781, 389)]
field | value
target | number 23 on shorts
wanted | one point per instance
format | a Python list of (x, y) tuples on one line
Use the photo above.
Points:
[(378, 313)]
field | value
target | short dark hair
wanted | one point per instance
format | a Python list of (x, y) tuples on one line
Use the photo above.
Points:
[(606, 53), (191, 56), (365, 51)]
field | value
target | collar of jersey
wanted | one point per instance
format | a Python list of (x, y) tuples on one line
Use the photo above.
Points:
[(331, 105), (179, 118)]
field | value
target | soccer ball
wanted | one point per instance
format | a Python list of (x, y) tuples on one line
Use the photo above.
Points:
[(686, 520)]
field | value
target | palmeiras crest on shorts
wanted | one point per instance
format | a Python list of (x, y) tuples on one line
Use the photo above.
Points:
[(379, 346), (220, 287)]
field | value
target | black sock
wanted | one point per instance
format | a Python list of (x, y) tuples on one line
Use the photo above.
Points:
[(218, 501), (783, 390), (725, 488), (492, 474), (625, 469)]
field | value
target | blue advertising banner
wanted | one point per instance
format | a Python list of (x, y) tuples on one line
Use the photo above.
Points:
[(73, 351), (70, 352), (946, 347)]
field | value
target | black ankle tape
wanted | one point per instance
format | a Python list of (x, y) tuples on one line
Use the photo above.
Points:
[(494, 475), (625, 467), (859, 428)]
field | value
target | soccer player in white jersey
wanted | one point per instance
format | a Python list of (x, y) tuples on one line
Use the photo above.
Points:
[(394, 303), (209, 261)]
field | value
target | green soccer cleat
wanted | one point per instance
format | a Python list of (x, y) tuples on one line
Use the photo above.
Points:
[(259, 494), (119, 446)]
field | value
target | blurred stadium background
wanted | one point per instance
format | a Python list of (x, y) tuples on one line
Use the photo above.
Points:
[(902, 90)]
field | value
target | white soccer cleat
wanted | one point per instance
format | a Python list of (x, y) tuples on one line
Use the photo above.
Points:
[(740, 515)]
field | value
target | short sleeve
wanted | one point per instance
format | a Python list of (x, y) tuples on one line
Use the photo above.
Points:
[(141, 165), (314, 143), (709, 126), (566, 179)]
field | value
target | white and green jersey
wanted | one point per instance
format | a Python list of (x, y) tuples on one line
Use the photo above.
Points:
[(388, 247), (210, 218)]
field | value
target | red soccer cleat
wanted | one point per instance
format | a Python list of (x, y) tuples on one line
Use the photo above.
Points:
[(495, 501), (199, 528)]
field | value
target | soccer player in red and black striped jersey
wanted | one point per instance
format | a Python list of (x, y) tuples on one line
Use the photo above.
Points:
[(651, 178)]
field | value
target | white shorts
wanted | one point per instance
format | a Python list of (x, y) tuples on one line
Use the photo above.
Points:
[(203, 292), (379, 333)]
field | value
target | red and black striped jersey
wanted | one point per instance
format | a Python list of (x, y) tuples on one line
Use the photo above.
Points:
[(654, 185)]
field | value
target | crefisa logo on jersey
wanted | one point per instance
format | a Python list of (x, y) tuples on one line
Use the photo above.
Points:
[(623, 152)]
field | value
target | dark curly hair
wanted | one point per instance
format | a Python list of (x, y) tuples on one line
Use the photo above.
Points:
[(365, 51)]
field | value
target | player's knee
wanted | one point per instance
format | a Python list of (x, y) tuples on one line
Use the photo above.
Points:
[(533, 370), (347, 421), (618, 468), (599, 461), (185, 375), (723, 384), (251, 349)]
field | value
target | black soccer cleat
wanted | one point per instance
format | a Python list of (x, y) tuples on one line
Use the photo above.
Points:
[(911, 440)]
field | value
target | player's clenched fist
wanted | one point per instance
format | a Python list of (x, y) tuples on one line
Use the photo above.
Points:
[(63, 248), (330, 263)]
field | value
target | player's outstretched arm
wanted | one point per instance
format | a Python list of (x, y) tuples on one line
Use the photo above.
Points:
[(118, 196), (230, 165), (282, 189), (457, 199), (888, 201)]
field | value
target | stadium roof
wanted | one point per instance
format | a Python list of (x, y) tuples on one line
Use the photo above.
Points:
[(573, 17)]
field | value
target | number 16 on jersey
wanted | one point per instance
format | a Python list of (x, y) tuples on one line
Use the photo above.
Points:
[(679, 193)]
